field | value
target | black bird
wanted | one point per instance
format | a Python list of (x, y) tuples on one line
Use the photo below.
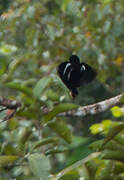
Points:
[(75, 74)]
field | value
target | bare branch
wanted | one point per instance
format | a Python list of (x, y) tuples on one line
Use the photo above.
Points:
[(10, 105), (94, 108)]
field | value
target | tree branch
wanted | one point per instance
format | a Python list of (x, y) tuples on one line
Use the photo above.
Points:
[(94, 108), (10, 106)]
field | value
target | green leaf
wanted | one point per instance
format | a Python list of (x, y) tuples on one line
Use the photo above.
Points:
[(44, 142), (101, 127), (112, 145), (56, 150), (119, 168), (106, 1), (113, 132), (41, 86), (104, 171), (120, 138), (5, 160), (116, 111), (19, 87), (3, 66), (7, 49), (61, 128), (71, 175), (113, 155), (24, 134), (53, 96), (96, 145), (13, 65), (63, 107), (65, 4), (40, 166), (97, 128)]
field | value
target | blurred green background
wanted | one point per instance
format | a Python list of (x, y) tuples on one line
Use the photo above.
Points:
[(35, 37)]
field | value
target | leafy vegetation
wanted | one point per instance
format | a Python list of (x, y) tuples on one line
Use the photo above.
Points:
[(38, 143)]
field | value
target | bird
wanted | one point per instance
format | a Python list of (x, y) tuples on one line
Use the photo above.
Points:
[(75, 74)]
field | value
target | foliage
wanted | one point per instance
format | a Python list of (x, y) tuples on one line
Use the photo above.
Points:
[(35, 37)]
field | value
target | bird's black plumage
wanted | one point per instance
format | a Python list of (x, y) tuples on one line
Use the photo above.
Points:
[(75, 74)]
